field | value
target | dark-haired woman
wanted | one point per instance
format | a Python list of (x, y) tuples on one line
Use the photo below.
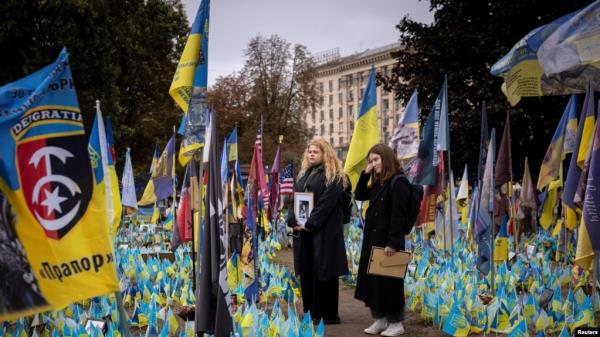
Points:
[(385, 226)]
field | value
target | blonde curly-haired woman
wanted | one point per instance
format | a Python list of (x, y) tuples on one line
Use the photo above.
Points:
[(319, 250)]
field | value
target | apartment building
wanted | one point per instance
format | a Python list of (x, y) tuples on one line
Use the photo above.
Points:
[(342, 81)]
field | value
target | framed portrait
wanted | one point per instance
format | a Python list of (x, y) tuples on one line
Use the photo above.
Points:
[(303, 205)]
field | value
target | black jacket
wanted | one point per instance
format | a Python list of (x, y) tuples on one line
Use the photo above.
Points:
[(324, 225), (385, 225)]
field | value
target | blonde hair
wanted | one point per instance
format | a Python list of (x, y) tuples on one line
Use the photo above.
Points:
[(331, 165)]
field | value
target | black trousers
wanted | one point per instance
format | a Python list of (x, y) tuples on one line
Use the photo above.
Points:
[(319, 297), (392, 317)]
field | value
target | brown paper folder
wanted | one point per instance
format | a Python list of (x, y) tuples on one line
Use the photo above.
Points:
[(392, 266)]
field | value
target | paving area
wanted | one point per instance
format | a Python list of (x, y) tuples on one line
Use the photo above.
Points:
[(356, 317)]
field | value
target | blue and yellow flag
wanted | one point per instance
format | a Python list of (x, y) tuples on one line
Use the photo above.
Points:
[(591, 202), (521, 70), (366, 132), (456, 324), (555, 153), (192, 68), (55, 194), (232, 143), (149, 197)]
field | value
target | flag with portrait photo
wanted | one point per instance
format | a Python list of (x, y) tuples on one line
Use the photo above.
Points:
[(55, 207)]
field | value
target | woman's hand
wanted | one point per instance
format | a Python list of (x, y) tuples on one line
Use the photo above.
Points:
[(369, 168), (389, 251)]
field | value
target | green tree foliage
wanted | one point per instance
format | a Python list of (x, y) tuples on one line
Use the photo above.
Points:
[(122, 52), (465, 39), (276, 82)]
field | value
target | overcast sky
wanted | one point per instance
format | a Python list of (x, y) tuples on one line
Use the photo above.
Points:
[(351, 25)]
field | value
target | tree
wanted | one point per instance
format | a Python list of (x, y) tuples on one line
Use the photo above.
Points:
[(276, 82), (122, 52), (465, 39)]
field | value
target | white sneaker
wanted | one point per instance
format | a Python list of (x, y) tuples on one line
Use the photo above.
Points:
[(394, 329), (378, 326)]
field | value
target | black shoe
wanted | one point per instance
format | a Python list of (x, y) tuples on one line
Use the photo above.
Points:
[(332, 320)]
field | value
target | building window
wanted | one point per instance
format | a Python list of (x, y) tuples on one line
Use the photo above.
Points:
[(341, 127), (330, 114), (313, 116), (331, 129), (351, 125), (340, 83), (322, 129), (341, 98), (350, 112), (321, 86), (330, 85), (386, 105), (384, 92), (330, 100), (322, 115), (314, 130), (321, 100), (350, 96), (396, 104), (360, 94), (385, 70), (350, 80), (341, 113), (341, 141), (360, 78), (331, 141)]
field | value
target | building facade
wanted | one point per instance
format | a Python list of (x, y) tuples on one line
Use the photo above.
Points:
[(341, 82)]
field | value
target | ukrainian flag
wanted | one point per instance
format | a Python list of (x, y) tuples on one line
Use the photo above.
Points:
[(232, 143), (366, 132), (555, 154), (192, 68), (149, 197)]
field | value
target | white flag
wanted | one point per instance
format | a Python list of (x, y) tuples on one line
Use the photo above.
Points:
[(128, 197)]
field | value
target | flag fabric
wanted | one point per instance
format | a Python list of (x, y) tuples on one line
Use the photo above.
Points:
[(574, 173), (256, 175), (189, 86), (56, 194), (148, 197), (483, 142), (405, 139), (503, 171), (114, 208), (164, 172), (443, 133), (591, 202), (232, 143), (192, 69), (128, 197), (287, 180), (555, 154), (366, 132), (528, 194), (425, 166), (457, 324), (274, 193), (571, 47), (184, 208), (521, 70), (483, 224), (214, 308), (462, 198)]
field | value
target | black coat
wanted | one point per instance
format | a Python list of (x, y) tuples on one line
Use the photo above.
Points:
[(324, 225), (386, 224)]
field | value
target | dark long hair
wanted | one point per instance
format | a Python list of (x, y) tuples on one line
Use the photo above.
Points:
[(390, 165)]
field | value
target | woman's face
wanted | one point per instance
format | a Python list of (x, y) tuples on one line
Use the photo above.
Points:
[(375, 161), (315, 156)]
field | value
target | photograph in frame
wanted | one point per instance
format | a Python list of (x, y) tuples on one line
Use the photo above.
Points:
[(303, 205)]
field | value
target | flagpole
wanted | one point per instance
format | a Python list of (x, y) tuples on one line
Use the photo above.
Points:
[(122, 322)]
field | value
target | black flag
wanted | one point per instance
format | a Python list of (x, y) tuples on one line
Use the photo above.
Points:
[(213, 305)]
